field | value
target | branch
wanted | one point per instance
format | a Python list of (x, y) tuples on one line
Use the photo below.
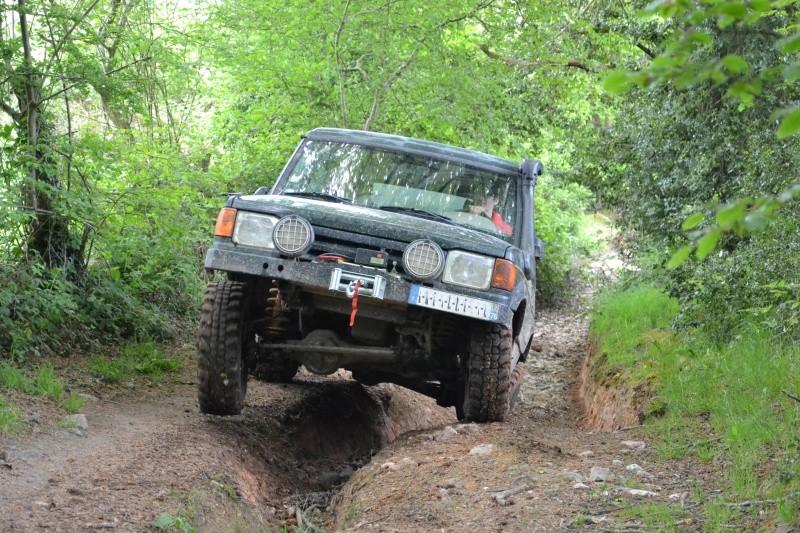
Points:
[(68, 33), (790, 395), (15, 115), (381, 93), (132, 63), (646, 50), (572, 63), (340, 64), (69, 87)]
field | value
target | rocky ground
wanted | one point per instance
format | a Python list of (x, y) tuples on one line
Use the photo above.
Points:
[(327, 454)]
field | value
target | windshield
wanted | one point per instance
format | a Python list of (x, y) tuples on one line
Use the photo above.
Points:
[(406, 183)]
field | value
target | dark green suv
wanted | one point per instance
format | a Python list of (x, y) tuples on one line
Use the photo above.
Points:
[(401, 260)]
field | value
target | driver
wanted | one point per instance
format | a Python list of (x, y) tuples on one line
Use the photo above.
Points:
[(486, 208)]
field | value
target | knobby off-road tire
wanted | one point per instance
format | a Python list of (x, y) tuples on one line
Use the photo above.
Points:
[(487, 379), (221, 373)]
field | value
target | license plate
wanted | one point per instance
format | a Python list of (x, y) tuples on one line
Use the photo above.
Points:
[(453, 303)]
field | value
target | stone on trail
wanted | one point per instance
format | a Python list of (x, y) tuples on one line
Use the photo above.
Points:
[(636, 469), (78, 421), (445, 434), (599, 473), (640, 492), (635, 445), (572, 476), (482, 449)]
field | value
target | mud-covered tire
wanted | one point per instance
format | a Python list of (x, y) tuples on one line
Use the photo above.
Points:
[(487, 376), (271, 368), (221, 373)]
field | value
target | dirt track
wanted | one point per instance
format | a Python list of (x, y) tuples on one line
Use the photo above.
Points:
[(329, 454)]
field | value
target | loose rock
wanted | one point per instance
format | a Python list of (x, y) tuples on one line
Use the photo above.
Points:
[(636, 469), (78, 421), (640, 492), (635, 445), (482, 449), (445, 434), (601, 474)]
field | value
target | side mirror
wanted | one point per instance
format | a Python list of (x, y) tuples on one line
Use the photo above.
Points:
[(538, 248), (527, 265)]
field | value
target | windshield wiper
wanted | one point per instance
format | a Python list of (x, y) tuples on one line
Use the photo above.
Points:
[(416, 212), (320, 195)]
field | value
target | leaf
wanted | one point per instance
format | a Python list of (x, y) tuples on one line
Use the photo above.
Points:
[(693, 221), (735, 64), (618, 81), (756, 221), (734, 9), (164, 521), (708, 243), (679, 257), (790, 44), (729, 215), (699, 37), (790, 124), (791, 73)]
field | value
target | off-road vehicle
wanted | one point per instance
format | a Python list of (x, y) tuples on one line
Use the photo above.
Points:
[(401, 260)]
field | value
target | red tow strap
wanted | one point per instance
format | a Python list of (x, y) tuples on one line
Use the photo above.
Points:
[(355, 303)]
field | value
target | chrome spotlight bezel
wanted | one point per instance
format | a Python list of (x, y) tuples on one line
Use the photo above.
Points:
[(430, 273), (301, 222)]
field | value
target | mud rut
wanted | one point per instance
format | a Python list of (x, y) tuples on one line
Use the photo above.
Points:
[(328, 454)]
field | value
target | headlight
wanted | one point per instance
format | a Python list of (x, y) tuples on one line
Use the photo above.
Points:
[(293, 236), (254, 230), (468, 270), (423, 259)]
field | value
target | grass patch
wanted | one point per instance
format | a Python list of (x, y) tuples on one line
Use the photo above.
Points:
[(72, 404), (142, 358), (657, 516), (715, 402), (43, 383), (9, 416)]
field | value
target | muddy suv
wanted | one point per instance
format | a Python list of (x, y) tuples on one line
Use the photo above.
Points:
[(401, 260)]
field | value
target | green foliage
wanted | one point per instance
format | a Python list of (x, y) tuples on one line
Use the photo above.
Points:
[(142, 358), (44, 382), (734, 51), (9, 416), (722, 401), (632, 330), (72, 404), (559, 223), (168, 522)]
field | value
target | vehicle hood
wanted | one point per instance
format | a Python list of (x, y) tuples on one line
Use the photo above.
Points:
[(374, 222)]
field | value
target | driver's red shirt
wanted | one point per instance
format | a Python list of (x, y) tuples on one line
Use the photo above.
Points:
[(501, 224)]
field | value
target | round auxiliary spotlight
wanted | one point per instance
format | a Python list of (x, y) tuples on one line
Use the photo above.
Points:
[(423, 259), (293, 236)]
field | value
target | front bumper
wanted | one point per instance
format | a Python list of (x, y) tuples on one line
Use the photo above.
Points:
[(316, 278)]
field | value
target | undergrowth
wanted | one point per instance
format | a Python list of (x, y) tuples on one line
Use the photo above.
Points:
[(142, 358), (718, 402), (9, 416)]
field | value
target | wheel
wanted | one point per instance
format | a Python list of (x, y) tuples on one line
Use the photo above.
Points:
[(269, 367), (221, 373), (487, 376)]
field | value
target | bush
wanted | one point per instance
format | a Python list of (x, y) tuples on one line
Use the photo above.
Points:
[(560, 209)]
